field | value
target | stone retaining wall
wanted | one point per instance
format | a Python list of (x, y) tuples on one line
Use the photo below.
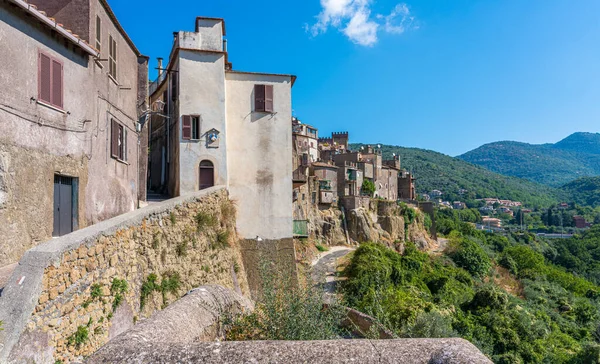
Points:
[(70, 295)]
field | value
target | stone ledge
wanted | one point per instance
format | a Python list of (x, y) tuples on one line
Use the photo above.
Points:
[(406, 351)]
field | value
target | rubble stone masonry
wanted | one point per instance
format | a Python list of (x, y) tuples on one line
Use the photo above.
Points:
[(69, 296)]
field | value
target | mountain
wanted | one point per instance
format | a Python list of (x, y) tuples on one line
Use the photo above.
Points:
[(437, 171), (584, 191), (576, 156)]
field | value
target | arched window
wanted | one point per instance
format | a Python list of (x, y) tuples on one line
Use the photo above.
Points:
[(207, 174)]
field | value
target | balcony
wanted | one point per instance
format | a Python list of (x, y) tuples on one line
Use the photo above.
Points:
[(301, 228)]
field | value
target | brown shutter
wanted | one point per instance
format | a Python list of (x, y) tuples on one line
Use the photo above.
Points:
[(57, 83), (174, 86), (259, 97), (114, 140), (45, 79), (269, 98), (186, 127)]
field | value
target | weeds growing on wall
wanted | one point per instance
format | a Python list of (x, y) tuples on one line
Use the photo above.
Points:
[(181, 248), (222, 240), (228, 211), (171, 283), (288, 311), (205, 220), (118, 288), (79, 337)]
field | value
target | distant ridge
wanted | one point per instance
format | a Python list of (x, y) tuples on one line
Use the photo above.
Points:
[(437, 171), (578, 155)]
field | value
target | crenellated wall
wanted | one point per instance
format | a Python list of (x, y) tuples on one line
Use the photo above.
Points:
[(70, 295)]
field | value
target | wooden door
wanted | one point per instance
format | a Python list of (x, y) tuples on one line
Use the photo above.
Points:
[(207, 174)]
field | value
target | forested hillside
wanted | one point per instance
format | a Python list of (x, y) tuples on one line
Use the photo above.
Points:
[(520, 299), (576, 156), (584, 191), (435, 170)]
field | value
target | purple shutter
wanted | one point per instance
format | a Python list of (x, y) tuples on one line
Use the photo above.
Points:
[(186, 127), (259, 97), (57, 83), (45, 78), (269, 98)]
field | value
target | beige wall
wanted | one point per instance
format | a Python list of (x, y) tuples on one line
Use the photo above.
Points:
[(258, 156)]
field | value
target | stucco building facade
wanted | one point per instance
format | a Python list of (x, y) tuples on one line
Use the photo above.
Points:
[(68, 120), (224, 127)]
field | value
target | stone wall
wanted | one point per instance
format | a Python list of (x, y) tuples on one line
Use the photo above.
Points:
[(70, 295)]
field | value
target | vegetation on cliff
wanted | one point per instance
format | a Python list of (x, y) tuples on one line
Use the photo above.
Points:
[(584, 191), (516, 297)]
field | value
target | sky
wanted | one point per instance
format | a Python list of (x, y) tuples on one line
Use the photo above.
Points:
[(436, 74)]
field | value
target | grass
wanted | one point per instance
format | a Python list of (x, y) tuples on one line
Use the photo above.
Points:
[(205, 220), (181, 249), (149, 286), (172, 218), (321, 248), (79, 337), (228, 211), (96, 291), (222, 240), (156, 240), (118, 289)]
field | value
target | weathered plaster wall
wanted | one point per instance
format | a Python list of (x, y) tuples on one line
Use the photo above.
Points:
[(39, 141), (49, 296), (258, 156), (202, 85)]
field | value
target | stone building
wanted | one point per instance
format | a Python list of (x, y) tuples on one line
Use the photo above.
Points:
[(74, 87), (224, 127), (406, 187)]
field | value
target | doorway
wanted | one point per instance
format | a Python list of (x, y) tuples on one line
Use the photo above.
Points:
[(65, 205), (207, 174)]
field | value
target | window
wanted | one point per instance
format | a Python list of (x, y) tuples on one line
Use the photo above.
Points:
[(98, 34), (174, 86), (263, 98), (50, 80), (190, 128), (112, 57), (118, 145)]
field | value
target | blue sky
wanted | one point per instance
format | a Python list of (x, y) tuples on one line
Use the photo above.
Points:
[(435, 74)]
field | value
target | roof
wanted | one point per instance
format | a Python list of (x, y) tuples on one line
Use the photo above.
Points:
[(293, 77), (51, 23), (322, 164), (114, 19)]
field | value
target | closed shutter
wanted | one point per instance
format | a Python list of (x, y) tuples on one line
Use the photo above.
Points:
[(269, 98), (259, 97), (174, 86), (57, 83), (114, 140), (186, 127), (124, 144), (98, 34), (45, 78)]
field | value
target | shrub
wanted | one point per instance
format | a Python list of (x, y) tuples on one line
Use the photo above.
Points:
[(149, 286), (429, 325), (490, 297), (170, 283), (96, 291), (525, 260), (367, 188), (321, 248), (222, 240), (287, 311), (118, 289), (469, 255)]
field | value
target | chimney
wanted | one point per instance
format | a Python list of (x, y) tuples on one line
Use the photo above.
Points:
[(160, 66), (225, 45)]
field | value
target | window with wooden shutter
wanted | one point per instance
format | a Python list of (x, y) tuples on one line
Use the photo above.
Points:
[(98, 34), (118, 141), (50, 80), (112, 57), (259, 98), (114, 140), (263, 98), (269, 98), (186, 127)]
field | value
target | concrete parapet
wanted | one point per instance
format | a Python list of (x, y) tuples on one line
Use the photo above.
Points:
[(405, 351)]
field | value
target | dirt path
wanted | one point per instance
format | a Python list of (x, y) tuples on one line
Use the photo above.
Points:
[(324, 269)]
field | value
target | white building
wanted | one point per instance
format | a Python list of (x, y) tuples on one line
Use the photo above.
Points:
[(228, 128)]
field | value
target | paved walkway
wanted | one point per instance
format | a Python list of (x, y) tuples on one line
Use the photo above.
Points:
[(5, 273), (324, 270)]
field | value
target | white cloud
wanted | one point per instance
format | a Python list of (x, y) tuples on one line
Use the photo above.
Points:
[(353, 18)]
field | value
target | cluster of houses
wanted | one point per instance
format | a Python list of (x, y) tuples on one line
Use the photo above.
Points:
[(327, 173), (84, 134)]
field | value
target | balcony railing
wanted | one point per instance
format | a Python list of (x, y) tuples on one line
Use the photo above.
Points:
[(301, 228)]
